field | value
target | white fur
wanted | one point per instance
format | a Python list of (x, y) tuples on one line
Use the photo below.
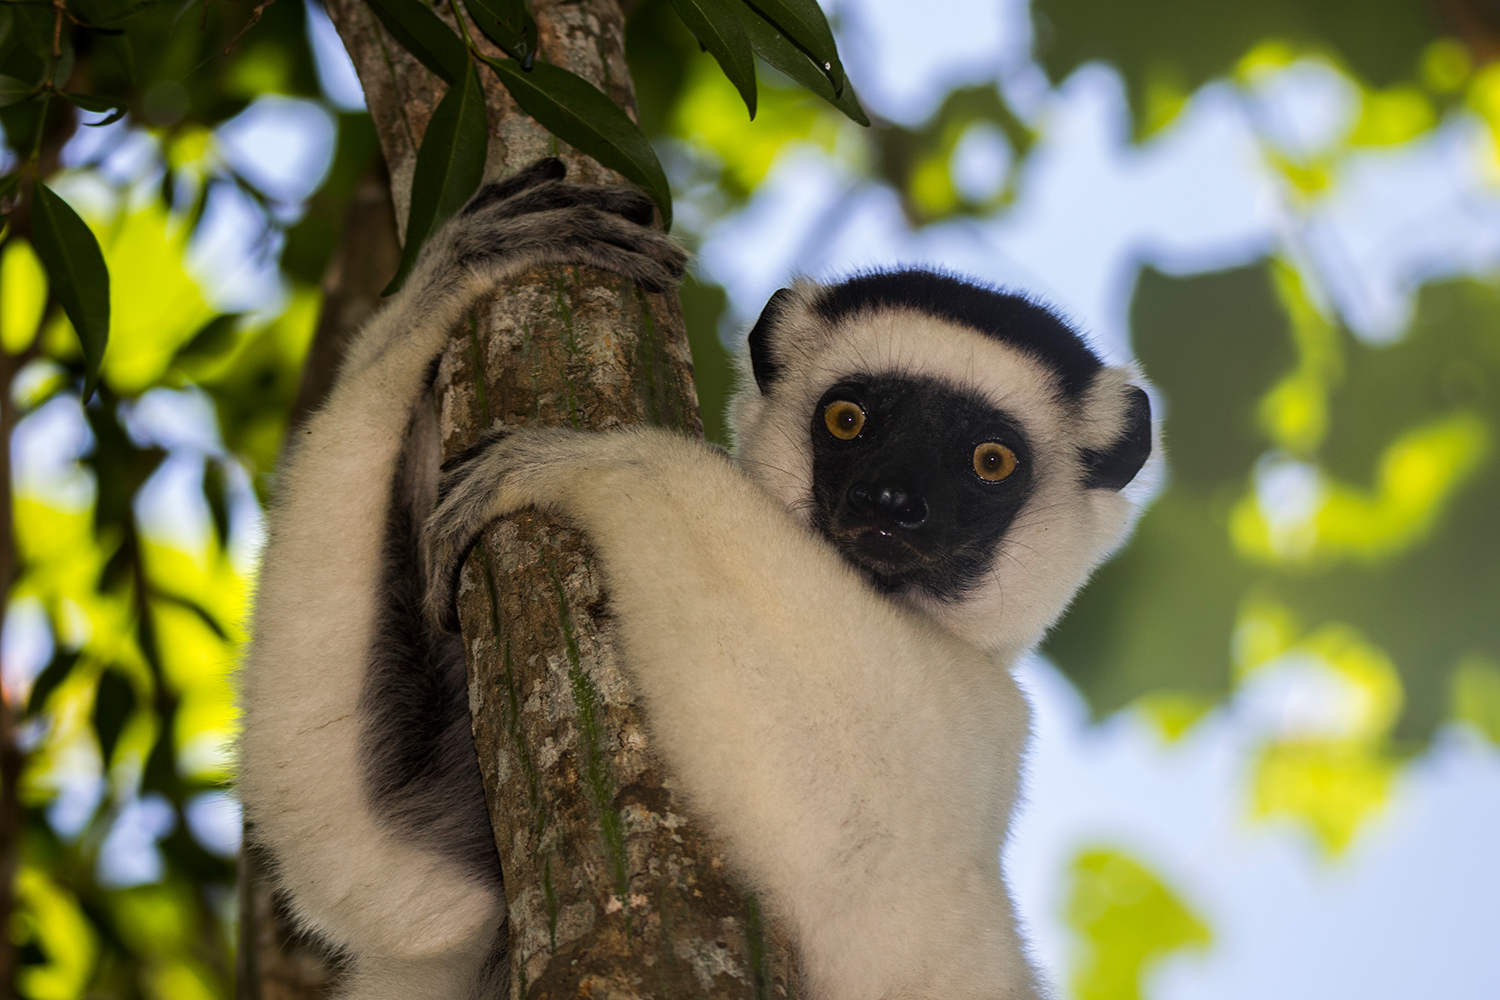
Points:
[(301, 775), (859, 756), (859, 761), (414, 924)]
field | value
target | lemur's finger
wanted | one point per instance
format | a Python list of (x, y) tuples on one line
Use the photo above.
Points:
[(577, 235), (627, 202), (547, 169)]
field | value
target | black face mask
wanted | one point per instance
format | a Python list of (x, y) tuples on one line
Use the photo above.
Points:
[(915, 482)]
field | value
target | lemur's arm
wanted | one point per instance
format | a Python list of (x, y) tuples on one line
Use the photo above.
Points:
[(357, 769), (858, 761)]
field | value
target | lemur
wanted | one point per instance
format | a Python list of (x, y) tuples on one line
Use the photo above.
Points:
[(823, 627)]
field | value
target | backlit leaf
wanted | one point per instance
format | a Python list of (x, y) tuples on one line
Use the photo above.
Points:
[(13, 91), (76, 270), (718, 27), (450, 165), (771, 46), (581, 115), (802, 23), (114, 701), (98, 105)]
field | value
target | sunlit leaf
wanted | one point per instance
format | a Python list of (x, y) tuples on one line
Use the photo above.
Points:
[(1329, 785), (424, 35), (23, 295), (157, 305), (49, 916), (581, 115), (1127, 921), (75, 267), (718, 27), (450, 165), (1393, 116)]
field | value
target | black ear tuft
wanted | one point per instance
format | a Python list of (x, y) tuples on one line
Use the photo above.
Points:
[(762, 362), (1116, 466)]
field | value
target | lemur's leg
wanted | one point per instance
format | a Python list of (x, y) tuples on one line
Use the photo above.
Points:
[(357, 769), (858, 761)]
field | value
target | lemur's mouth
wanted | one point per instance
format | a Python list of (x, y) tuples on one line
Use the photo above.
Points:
[(889, 561)]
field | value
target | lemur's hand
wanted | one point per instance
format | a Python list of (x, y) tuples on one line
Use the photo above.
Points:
[(536, 218)]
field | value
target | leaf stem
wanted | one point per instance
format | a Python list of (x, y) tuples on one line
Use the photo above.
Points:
[(463, 26)]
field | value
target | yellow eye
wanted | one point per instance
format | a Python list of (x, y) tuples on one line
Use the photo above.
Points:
[(844, 419), (993, 461)]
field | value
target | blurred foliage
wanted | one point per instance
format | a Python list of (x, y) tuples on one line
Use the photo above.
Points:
[(137, 696), (1127, 920), (1169, 49), (1354, 484)]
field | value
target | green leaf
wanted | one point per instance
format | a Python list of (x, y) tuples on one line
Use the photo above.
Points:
[(9, 184), (1127, 921), (717, 26), (450, 165), (13, 91), (62, 69), (99, 106), (49, 680), (213, 339), (77, 273), (216, 492), (771, 46), (802, 23), (581, 115), (114, 701), (424, 35), (509, 25), (187, 604)]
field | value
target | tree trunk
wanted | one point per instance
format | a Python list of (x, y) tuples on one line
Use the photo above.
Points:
[(612, 891)]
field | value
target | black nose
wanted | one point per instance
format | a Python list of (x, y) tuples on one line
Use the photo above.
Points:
[(888, 504)]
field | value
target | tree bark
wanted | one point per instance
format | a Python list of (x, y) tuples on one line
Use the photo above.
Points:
[(612, 890)]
